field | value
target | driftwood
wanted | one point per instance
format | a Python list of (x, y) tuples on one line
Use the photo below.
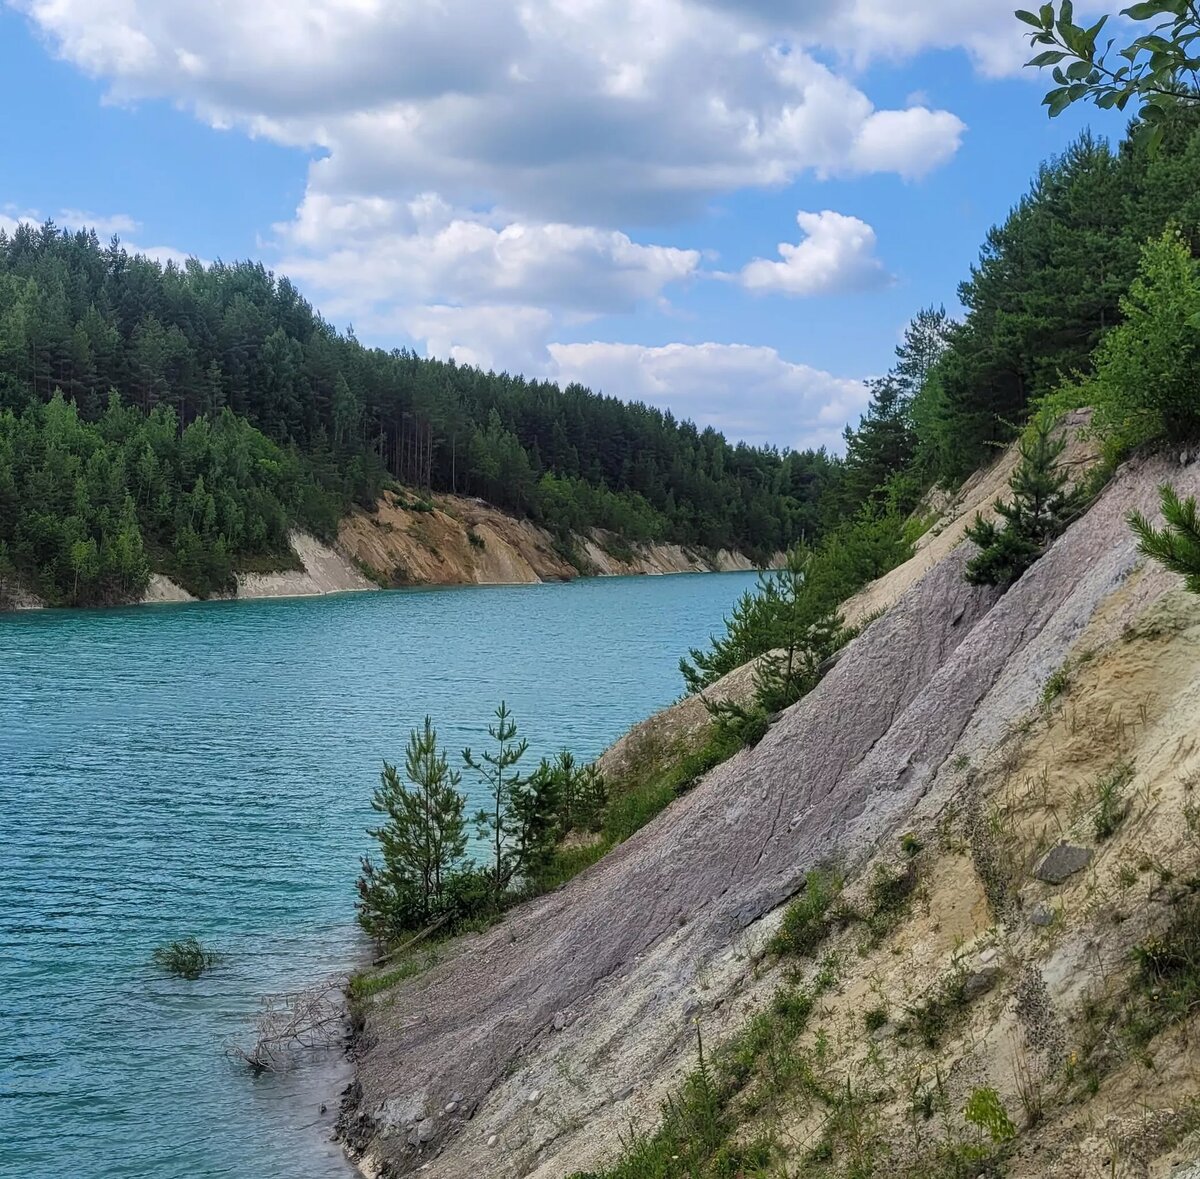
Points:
[(412, 941), (290, 1024)]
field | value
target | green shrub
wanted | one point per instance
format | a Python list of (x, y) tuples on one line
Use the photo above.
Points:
[(985, 1109), (185, 958), (804, 924), (1148, 367)]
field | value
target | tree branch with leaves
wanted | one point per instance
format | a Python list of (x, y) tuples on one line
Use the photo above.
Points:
[(1155, 71)]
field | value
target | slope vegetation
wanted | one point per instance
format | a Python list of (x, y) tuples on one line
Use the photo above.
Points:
[(987, 730)]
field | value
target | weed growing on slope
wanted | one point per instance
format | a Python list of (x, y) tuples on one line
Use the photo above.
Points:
[(1111, 807), (890, 897), (943, 1011), (805, 921), (695, 1139), (1166, 987)]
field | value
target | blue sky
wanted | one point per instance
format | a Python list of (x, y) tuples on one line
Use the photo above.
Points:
[(579, 189)]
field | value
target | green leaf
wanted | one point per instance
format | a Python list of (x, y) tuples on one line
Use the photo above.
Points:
[(1155, 43), (1029, 18), (1151, 113), (1057, 101), (1066, 12), (1050, 57), (1094, 31), (1151, 9), (1047, 16), (1077, 71)]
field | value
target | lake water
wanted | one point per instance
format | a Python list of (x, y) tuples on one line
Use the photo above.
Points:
[(207, 769)]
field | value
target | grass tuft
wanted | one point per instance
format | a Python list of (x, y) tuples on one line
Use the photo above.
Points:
[(185, 958)]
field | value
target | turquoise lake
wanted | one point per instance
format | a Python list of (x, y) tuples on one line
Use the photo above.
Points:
[(207, 769)]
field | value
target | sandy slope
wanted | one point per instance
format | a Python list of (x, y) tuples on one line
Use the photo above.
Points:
[(464, 541), (546, 1035)]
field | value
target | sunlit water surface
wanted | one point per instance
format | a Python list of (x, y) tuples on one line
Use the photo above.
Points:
[(207, 770)]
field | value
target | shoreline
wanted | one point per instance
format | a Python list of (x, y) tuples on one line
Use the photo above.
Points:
[(298, 585)]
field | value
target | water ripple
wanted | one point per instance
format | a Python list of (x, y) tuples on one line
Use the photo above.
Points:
[(207, 770)]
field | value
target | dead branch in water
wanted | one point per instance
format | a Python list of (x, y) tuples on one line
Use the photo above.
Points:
[(288, 1024)]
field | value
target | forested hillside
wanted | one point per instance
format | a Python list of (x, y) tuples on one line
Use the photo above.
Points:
[(1046, 289), (321, 421), (207, 409)]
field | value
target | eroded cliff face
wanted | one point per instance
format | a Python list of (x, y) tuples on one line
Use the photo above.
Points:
[(453, 540), (532, 1047)]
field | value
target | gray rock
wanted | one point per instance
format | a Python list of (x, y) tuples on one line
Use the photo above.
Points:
[(1063, 862), (493, 1139), (981, 982), (561, 1019), (451, 1106), (1043, 915), (535, 1095), (424, 1131)]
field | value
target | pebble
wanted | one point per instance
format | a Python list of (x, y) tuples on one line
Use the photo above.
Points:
[(981, 982), (451, 1106), (535, 1095), (1062, 862), (493, 1139)]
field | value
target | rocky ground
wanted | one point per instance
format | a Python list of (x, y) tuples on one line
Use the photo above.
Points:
[(530, 1049)]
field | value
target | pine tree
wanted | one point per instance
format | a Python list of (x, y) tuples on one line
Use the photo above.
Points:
[(582, 793), (422, 840), (1042, 506), (534, 821), (1177, 546), (499, 775)]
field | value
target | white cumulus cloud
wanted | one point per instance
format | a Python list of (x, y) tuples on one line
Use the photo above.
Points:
[(836, 255), (376, 248), (555, 109), (749, 393)]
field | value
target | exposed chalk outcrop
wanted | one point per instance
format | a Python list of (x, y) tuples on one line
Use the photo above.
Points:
[(325, 571)]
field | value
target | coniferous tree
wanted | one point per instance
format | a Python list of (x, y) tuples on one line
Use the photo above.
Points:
[(582, 792), (1176, 546), (1042, 506), (535, 824), (422, 841), (499, 774)]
